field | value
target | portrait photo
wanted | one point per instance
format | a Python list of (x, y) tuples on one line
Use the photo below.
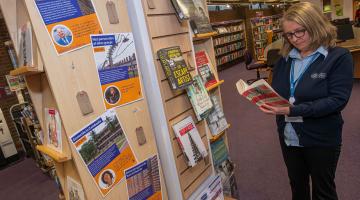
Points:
[(106, 179), (62, 35), (112, 95)]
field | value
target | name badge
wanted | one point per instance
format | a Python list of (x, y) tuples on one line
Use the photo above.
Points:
[(293, 119)]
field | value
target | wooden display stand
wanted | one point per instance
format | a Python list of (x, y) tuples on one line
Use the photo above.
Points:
[(54, 81), (54, 86), (165, 31)]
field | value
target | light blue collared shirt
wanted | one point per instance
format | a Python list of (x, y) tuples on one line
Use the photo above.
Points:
[(290, 136)]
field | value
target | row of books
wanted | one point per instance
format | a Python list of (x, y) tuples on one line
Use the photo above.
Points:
[(260, 36), (266, 27), (230, 29), (230, 57), (259, 26), (228, 39), (229, 48), (265, 20)]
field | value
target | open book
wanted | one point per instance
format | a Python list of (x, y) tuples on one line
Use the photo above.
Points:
[(260, 93)]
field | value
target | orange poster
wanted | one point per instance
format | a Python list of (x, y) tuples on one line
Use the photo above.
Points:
[(116, 63), (69, 22), (105, 150)]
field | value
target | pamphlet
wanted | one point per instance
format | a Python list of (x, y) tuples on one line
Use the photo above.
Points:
[(69, 22), (53, 129), (75, 190), (116, 63), (143, 180), (104, 149)]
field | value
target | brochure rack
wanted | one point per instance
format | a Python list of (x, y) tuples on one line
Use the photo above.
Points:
[(54, 81), (56, 84)]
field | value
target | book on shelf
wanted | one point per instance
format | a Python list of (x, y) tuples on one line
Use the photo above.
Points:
[(230, 187), (12, 53), (53, 129), (75, 190), (25, 45), (216, 120), (224, 167), (195, 11), (189, 140), (199, 20), (205, 69), (175, 67), (183, 8), (211, 189), (199, 98), (260, 93)]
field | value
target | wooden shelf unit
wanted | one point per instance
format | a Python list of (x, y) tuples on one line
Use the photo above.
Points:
[(57, 88), (230, 43), (259, 30), (25, 70)]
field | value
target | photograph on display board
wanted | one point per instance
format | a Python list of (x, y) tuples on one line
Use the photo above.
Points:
[(75, 190), (104, 149), (69, 22), (53, 128), (143, 180), (116, 63)]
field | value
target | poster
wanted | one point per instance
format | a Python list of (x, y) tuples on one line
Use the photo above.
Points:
[(103, 147), (143, 180), (69, 22), (15, 82), (116, 64), (53, 129), (75, 190)]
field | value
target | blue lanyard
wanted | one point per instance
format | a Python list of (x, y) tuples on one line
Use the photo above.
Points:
[(292, 81)]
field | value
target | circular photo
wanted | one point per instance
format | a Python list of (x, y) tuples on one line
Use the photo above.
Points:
[(106, 179), (112, 95), (62, 35)]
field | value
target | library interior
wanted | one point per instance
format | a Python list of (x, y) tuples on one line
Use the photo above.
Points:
[(179, 99)]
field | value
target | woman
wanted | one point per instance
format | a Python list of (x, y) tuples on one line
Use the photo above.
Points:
[(316, 77), (107, 178)]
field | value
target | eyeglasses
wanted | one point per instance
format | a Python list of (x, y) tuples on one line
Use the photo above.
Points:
[(298, 34)]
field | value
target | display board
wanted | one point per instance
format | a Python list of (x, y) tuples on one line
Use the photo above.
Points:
[(67, 80), (65, 77)]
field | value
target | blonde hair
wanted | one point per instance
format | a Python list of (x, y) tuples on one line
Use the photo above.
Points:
[(320, 30)]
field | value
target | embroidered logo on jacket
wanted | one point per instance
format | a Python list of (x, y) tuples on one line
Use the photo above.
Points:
[(318, 75)]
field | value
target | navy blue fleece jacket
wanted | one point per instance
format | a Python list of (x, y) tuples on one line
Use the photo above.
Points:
[(321, 94)]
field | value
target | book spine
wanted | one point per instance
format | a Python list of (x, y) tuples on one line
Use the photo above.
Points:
[(12, 55)]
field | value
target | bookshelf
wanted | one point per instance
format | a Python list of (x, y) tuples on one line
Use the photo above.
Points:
[(260, 27), (230, 42)]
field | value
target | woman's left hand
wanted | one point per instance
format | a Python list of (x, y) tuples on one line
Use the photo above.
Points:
[(275, 110)]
